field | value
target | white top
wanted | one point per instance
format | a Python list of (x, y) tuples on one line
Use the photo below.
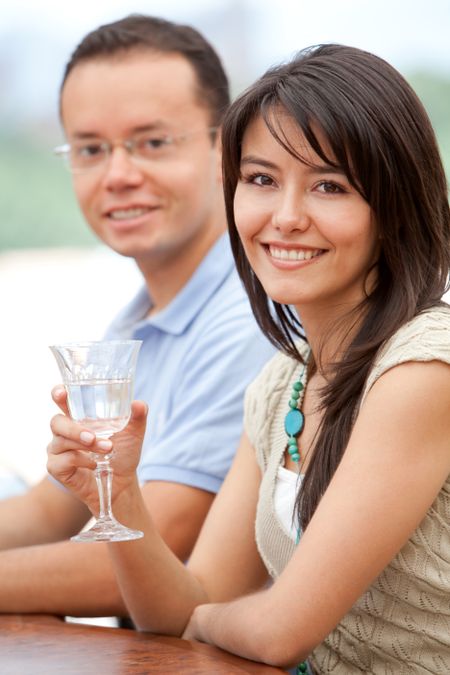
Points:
[(286, 490), (401, 623)]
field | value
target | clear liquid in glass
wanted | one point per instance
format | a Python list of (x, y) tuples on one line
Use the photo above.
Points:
[(102, 406), (98, 377)]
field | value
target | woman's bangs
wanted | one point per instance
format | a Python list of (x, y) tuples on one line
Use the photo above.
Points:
[(313, 131)]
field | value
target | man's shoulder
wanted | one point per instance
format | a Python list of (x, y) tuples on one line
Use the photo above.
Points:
[(231, 294), (127, 316), (228, 317)]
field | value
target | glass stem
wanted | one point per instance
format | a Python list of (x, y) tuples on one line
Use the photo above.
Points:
[(103, 477)]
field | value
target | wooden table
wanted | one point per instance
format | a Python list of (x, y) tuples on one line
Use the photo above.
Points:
[(45, 645)]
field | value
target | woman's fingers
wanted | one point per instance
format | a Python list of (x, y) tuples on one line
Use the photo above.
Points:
[(72, 443), (73, 446), (75, 470), (67, 463), (61, 425), (138, 419), (60, 444), (59, 395), (128, 443), (68, 434)]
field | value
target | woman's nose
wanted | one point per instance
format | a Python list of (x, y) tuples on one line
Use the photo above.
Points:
[(291, 212)]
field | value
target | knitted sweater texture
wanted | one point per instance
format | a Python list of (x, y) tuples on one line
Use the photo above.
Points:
[(401, 624)]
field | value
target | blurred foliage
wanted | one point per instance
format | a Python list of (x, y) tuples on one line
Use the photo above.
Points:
[(434, 92), (38, 209)]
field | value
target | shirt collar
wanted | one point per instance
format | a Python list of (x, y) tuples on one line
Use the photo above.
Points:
[(215, 267)]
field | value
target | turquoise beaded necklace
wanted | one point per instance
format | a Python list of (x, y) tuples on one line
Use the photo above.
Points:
[(293, 425), (295, 420)]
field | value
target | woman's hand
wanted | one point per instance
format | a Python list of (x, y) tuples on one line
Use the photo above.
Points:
[(196, 628), (69, 459)]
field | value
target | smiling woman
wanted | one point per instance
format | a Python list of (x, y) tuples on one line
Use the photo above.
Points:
[(308, 234), (339, 219)]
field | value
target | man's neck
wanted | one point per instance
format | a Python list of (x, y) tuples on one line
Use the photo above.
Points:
[(165, 278)]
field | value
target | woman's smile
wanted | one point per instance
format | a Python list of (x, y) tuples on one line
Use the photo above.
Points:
[(309, 235), (288, 255)]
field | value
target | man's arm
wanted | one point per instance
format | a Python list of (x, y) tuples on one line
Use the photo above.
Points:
[(77, 579), (178, 512), (45, 513)]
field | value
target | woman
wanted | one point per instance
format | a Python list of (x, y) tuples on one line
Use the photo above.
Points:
[(338, 214)]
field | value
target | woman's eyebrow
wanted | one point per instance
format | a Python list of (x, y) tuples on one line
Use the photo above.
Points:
[(310, 168), (325, 168), (254, 159)]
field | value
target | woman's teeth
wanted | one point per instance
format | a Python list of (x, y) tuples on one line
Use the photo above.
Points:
[(293, 253)]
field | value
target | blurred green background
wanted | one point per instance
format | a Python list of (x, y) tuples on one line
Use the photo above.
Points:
[(38, 209), (37, 206)]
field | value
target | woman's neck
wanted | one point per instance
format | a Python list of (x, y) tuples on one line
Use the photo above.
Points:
[(329, 335)]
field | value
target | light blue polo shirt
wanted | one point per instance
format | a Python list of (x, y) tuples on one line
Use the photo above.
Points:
[(197, 358)]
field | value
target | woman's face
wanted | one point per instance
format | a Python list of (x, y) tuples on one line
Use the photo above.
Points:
[(308, 234)]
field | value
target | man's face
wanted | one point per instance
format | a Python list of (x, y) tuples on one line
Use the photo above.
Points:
[(158, 208)]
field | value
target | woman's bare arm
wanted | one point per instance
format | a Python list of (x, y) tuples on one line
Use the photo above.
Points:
[(396, 461)]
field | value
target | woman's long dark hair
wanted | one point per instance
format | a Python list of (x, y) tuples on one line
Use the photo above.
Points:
[(378, 132)]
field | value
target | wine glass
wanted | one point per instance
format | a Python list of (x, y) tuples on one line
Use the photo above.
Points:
[(98, 378)]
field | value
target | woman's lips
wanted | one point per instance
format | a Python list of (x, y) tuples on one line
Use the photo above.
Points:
[(293, 254)]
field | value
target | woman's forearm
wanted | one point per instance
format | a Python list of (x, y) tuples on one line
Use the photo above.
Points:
[(159, 591), (245, 627)]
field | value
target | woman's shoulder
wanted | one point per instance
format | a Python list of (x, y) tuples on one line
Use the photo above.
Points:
[(426, 337)]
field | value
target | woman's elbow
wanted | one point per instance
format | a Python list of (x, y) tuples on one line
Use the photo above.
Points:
[(279, 656), (283, 649)]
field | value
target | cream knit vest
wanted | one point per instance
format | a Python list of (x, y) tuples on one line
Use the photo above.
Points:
[(401, 625)]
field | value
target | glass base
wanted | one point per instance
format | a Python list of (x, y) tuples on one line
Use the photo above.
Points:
[(108, 529)]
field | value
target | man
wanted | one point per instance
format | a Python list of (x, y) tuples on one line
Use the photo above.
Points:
[(141, 103)]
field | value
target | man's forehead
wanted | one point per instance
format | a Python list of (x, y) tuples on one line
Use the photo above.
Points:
[(145, 63), (138, 89)]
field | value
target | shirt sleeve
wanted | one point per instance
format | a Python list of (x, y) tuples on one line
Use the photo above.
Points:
[(198, 442)]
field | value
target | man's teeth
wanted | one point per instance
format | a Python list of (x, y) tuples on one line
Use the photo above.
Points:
[(293, 253), (124, 214)]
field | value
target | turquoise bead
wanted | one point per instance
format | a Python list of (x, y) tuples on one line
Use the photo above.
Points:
[(295, 395), (293, 449), (293, 422), (298, 386), (293, 403), (295, 457), (302, 668), (292, 441)]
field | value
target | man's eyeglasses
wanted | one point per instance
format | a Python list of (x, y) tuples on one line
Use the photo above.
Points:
[(86, 155)]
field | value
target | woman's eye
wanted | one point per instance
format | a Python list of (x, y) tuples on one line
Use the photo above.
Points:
[(329, 188), (261, 179)]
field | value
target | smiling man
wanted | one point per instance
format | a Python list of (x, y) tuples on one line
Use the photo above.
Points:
[(141, 106)]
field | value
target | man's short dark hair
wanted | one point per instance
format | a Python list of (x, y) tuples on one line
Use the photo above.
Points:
[(140, 32)]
